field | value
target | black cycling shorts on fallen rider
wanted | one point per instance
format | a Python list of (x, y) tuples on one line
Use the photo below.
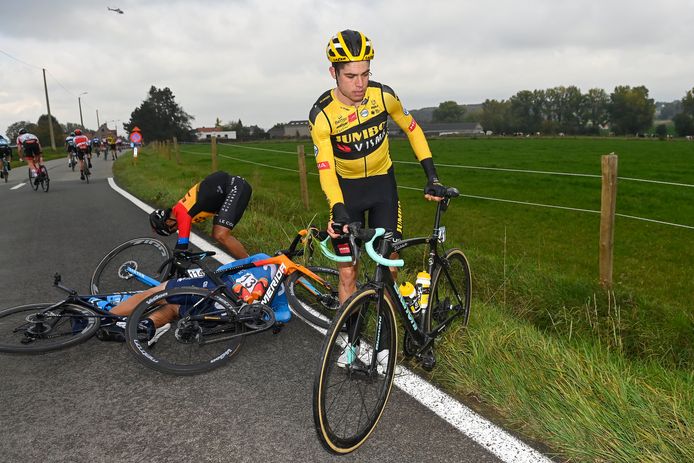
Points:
[(375, 196), (238, 193)]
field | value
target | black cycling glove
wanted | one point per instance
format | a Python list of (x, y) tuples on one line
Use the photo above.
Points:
[(340, 214), (434, 186)]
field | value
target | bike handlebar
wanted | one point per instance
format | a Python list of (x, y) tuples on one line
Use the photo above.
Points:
[(368, 235)]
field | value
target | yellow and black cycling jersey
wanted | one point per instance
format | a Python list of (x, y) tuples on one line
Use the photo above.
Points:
[(352, 141)]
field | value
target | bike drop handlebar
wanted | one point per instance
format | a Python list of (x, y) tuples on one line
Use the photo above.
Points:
[(369, 235)]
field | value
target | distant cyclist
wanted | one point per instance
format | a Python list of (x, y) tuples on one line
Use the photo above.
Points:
[(70, 147), (29, 148), (82, 148), (5, 152), (96, 143), (221, 195), (112, 147)]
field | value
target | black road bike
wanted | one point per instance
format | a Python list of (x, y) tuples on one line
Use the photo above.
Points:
[(358, 357), (42, 179)]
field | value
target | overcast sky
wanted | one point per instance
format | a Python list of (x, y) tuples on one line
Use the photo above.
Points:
[(263, 61)]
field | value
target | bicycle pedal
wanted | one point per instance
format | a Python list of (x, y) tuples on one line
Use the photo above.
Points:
[(277, 327)]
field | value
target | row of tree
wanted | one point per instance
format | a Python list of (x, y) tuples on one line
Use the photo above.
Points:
[(566, 110), (627, 110)]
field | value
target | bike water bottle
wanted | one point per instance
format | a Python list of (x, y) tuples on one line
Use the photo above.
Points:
[(423, 283), (409, 293)]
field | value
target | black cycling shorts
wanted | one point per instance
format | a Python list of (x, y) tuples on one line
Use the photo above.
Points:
[(31, 149), (238, 193), (81, 152), (224, 195), (376, 196)]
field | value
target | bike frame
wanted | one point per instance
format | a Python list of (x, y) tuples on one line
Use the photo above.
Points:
[(384, 284), (83, 301)]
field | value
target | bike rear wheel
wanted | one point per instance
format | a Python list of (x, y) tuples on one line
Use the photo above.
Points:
[(45, 180), (32, 329), (351, 389), (191, 345), (145, 255), (315, 301), (451, 290)]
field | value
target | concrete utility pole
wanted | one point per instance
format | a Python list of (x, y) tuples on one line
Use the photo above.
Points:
[(48, 105), (79, 102)]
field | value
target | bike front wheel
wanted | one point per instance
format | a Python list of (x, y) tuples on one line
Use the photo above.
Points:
[(116, 271), (33, 329), (352, 385), (451, 290), (195, 335), (313, 300)]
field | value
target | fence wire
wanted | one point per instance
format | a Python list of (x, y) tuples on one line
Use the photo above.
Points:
[(484, 198)]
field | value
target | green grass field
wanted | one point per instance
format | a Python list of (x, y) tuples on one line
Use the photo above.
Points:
[(598, 376)]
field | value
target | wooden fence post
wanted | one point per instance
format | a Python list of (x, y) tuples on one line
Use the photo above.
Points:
[(608, 209), (176, 151), (303, 182), (167, 149), (213, 143)]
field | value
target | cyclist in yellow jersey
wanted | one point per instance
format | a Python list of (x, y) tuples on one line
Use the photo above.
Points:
[(350, 135)]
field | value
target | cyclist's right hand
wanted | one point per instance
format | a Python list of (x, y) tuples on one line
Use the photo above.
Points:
[(337, 229), (337, 226)]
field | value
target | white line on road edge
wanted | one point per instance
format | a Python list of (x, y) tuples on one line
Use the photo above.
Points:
[(486, 434), (18, 186), (494, 439)]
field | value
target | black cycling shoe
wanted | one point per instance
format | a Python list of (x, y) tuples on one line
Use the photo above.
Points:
[(428, 359), (112, 333), (81, 175)]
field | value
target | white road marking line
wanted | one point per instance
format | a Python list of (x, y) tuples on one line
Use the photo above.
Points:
[(486, 434), (18, 186)]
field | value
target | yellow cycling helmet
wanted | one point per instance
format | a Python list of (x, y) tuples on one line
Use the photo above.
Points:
[(349, 46)]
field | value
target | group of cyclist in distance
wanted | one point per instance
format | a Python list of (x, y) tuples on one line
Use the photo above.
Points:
[(348, 126), (29, 149)]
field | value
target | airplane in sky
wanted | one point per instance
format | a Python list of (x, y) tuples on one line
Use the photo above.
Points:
[(117, 10)]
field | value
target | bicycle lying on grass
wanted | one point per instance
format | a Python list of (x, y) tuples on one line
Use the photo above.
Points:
[(358, 357)]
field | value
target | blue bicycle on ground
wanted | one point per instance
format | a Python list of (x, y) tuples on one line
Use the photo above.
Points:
[(45, 327)]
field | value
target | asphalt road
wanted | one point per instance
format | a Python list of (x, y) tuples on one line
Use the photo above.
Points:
[(95, 403)]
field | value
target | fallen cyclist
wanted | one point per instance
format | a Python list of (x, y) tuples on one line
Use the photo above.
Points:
[(249, 285)]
